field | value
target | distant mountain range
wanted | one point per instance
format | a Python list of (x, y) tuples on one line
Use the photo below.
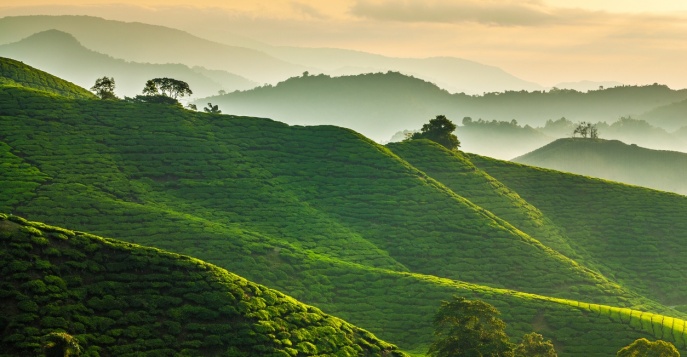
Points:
[(60, 53), (377, 235), (263, 64), (613, 160), (382, 104)]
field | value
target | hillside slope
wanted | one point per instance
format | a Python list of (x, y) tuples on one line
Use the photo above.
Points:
[(16, 73), (613, 160), (119, 299), (321, 213), (631, 233)]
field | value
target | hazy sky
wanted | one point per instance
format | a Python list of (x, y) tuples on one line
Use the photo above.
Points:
[(546, 41)]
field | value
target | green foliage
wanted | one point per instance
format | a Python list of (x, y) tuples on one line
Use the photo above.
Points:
[(469, 328), (15, 73), (60, 344), (645, 348), (104, 88), (131, 299), (321, 213), (439, 130), (534, 345), (168, 87)]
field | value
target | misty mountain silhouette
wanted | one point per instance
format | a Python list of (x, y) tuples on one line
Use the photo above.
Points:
[(613, 160), (61, 53)]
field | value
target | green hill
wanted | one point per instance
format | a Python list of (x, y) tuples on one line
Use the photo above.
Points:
[(630, 233), (324, 215), (15, 73), (120, 299), (613, 160)]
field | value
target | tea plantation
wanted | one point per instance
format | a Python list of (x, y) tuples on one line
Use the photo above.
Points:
[(375, 235), (120, 299)]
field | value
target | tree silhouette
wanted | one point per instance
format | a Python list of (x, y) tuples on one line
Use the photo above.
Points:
[(212, 109), (104, 88), (168, 87), (586, 129), (440, 130)]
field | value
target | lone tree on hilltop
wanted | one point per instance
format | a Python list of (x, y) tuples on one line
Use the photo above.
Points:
[(465, 327), (104, 88), (440, 130), (168, 87), (645, 348), (586, 129)]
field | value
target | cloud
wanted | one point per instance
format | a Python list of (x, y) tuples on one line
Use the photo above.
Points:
[(488, 12), (308, 10)]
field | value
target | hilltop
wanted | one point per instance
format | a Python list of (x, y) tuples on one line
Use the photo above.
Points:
[(119, 298), (613, 160), (61, 53), (369, 233)]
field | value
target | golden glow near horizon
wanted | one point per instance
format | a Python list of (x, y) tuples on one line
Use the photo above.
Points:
[(547, 41)]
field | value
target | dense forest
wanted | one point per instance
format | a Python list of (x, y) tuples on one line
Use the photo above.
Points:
[(376, 235)]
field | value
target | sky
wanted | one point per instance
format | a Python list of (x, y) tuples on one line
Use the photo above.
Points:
[(545, 41)]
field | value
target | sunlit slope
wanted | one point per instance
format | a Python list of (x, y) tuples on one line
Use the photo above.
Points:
[(119, 298), (613, 160), (15, 73), (122, 299), (632, 234), (454, 169), (324, 189), (321, 213)]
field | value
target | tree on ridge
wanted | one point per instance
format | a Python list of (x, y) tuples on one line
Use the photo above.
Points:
[(440, 130)]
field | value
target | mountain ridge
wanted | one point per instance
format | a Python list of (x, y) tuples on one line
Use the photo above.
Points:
[(61, 53)]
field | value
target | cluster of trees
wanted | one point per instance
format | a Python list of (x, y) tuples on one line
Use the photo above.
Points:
[(157, 90), (465, 327), (586, 130)]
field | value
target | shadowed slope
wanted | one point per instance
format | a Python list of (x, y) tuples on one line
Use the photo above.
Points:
[(118, 298)]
